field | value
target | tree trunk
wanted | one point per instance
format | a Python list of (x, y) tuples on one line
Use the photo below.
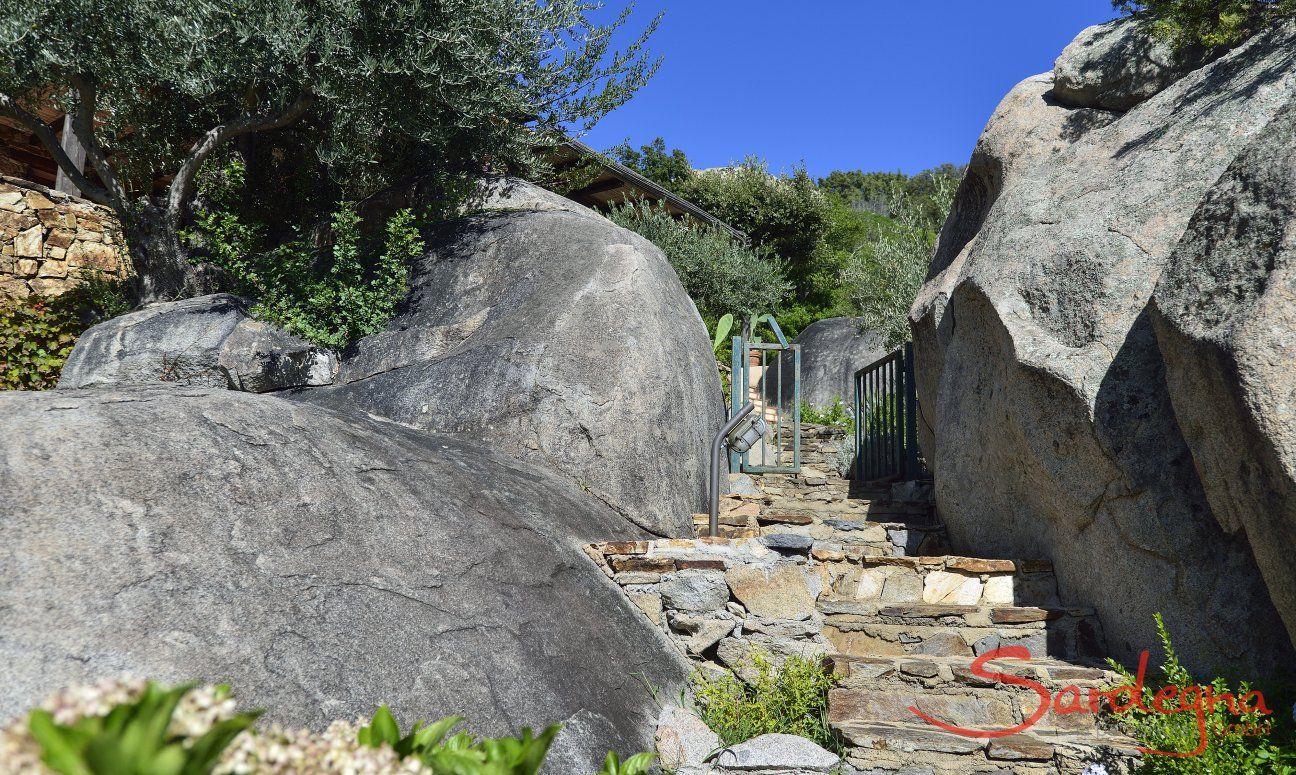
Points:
[(162, 268)]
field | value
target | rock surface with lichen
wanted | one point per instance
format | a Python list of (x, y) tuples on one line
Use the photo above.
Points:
[(322, 563), (1105, 301)]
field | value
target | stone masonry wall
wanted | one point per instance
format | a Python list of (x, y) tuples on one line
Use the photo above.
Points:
[(49, 240)]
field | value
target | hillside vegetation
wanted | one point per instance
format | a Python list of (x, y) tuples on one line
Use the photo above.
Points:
[(853, 243)]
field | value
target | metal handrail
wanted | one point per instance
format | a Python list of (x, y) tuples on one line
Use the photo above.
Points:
[(717, 444)]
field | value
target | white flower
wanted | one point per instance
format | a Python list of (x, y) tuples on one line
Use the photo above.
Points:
[(1095, 769)]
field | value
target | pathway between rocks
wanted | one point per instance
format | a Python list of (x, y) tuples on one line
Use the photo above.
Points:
[(805, 565)]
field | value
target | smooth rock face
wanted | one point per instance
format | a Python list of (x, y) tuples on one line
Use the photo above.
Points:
[(321, 563), (832, 350), (208, 341), (548, 332), (777, 752), (1052, 413), (1117, 65), (1224, 311)]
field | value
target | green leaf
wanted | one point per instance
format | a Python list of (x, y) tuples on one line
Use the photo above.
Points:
[(637, 764), (382, 729), (60, 751), (431, 736), (206, 750), (723, 327)]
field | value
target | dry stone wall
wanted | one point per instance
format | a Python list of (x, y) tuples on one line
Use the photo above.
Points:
[(49, 240)]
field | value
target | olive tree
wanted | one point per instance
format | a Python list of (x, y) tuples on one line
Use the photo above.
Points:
[(156, 87)]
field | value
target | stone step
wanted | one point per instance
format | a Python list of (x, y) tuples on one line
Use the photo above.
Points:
[(872, 708), (948, 579), (955, 673), (866, 629), (854, 535), (877, 747)]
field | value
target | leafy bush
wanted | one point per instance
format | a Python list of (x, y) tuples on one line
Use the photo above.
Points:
[(1208, 23), (1229, 746), (783, 215), (37, 333), (790, 699), (835, 414), (139, 728), (883, 280), (330, 291), (722, 275)]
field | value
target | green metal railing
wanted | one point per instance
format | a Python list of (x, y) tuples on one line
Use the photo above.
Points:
[(770, 398), (886, 420)]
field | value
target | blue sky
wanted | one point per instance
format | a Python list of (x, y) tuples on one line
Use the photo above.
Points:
[(839, 84)]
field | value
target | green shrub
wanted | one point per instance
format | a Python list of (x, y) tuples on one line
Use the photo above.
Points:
[(1228, 748), (331, 290), (37, 333), (722, 275), (790, 699), (783, 215), (835, 414), (1208, 23)]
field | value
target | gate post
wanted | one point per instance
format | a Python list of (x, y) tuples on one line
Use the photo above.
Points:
[(910, 420)]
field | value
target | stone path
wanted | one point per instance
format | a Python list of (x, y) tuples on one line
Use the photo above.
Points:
[(804, 565)]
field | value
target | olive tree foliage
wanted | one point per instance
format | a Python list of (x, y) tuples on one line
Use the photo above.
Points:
[(721, 275), (377, 91), (1207, 22), (883, 275)]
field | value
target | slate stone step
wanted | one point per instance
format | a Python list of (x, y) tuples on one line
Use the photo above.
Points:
[(870, 672), (955, 692), (862, 629), (948, 580), (890, 747)]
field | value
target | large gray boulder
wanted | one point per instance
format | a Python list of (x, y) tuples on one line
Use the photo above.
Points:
[(1224, 311), (1117, 65), (210, 340), (1050, 409), (319, 562), (539, 327), (832, 350)]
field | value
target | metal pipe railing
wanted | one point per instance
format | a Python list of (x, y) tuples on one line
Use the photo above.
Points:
[(716, 446)]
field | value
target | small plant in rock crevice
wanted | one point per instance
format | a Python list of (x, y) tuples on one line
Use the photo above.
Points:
[(789, 698)]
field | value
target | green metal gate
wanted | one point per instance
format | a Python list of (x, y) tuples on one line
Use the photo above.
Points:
[(757, 377), (886, 420)]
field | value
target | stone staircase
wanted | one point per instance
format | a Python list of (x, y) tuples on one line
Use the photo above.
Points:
[(811, 564)]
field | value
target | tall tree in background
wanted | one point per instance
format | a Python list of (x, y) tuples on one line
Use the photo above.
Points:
[(668, 169), (379, 90)]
